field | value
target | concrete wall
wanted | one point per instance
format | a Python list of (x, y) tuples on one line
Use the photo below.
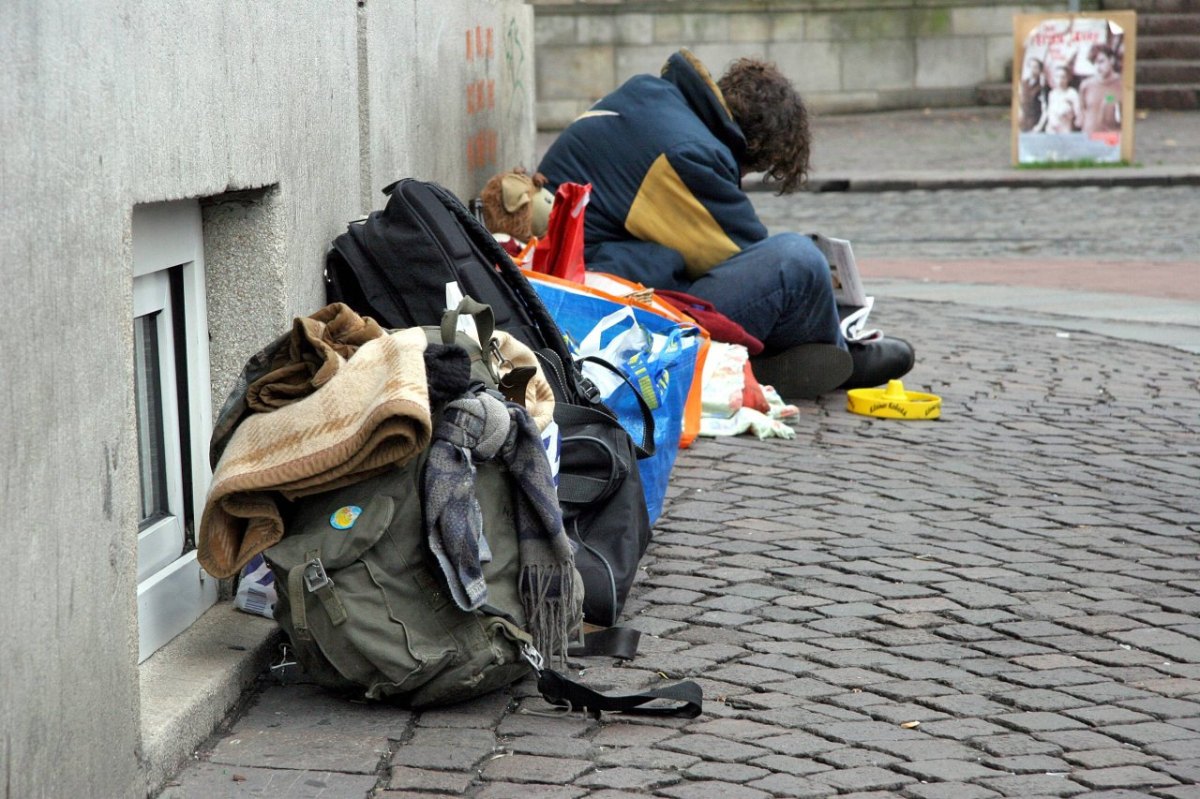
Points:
[(843, 55), (284, 119)]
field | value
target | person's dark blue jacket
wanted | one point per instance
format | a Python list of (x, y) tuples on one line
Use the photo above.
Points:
[(662, 155)]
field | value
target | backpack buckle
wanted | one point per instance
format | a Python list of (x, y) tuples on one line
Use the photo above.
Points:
[(315, 577)]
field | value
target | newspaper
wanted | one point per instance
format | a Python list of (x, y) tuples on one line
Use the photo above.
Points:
[(854, 305)]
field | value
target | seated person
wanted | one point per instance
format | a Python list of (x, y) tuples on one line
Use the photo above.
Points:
[(665, 157)]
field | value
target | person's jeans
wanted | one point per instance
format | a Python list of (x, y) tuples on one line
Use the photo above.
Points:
[(779, 290)]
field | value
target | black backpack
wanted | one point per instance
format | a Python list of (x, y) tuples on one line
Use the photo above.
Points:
[(394, 267)]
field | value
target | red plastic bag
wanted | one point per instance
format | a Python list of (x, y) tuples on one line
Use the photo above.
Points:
[(560, 251)]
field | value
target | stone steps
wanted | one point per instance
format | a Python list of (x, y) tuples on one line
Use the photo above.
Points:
[(1168, 56), (1155, 47), (1153, 6)]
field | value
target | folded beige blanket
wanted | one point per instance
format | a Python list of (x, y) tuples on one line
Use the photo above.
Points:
[(372, 414)]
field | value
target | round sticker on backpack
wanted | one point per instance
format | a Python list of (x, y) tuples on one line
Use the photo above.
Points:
[(344, 517)]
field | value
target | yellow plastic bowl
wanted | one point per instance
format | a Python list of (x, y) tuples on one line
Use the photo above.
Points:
[(893, 402)]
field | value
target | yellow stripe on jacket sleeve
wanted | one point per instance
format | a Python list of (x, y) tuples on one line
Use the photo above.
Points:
[(665, 211)]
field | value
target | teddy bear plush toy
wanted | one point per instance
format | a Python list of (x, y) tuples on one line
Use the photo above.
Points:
[(517, 205)]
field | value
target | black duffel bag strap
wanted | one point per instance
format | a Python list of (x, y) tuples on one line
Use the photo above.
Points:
[(686, 698), (647, 447)]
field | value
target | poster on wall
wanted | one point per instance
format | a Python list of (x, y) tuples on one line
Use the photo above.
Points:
[(1073, 88)]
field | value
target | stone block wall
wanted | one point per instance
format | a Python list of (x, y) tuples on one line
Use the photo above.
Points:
[(843, 55)]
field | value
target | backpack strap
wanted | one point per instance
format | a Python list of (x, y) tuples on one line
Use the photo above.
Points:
[(685, 698), (310, 577)]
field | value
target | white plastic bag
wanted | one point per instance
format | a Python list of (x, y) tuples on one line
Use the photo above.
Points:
[(256, 589)]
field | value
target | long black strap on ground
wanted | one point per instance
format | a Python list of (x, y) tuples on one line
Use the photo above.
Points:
[(679, 700)]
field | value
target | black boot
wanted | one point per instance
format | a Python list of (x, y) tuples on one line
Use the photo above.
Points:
[(804, 371), (878, 361)]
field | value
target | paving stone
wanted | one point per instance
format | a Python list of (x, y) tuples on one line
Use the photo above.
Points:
[(1056, 679), (858, 700), (912, 689), (302, 727), (1040, 699), (962, 729), (1105, 692), (947, 770), (1182, 792), (965, 705), (1122, 777), (731, 772), (858, 609), (800, 766), (1029, 764), (903, 713), (1116, 793), (722, 618), (850, 677), (1104, 715), (206, 780), (1030, 785), (644, 757), (1009, 648), (965, 632), (558, 726), (1038, 722), (1079, 739), (515, 790), (483, 712), (853, 732), (949, 790), (747, 675), (628, 779), (1164, 707), (710, 747), (1018, 744), (1184, 770), (534, 768), (1106, 758), (713, 789), (453, 783), (791, 785), (805, 687), (926, 749), (622, 734), (1153, 732), (714, 652), (735, 729), (546, 745), (1173, 686), (796, 744), (864, 778), (854, 757)]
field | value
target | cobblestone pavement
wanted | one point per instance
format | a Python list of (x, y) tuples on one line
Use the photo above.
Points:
[(1000, 603), (968, 139), (1144, 224), (1004, 602)]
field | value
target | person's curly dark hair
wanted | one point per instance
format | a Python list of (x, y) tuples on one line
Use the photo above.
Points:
[(773, 118)]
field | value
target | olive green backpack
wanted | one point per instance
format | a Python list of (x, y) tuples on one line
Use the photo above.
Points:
[(365, 607)]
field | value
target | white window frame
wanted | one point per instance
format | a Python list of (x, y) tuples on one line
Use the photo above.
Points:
[(173, 591)]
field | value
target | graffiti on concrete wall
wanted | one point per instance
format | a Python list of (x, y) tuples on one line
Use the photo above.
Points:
[(481, 98), (514, 68)]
